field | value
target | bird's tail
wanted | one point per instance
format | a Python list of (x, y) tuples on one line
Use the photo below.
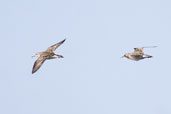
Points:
[(147, 56), (58, 56)]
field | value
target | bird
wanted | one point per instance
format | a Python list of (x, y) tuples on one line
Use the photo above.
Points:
[(46, 55), (138, 54)]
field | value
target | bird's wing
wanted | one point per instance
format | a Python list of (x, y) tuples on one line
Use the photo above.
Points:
[(149, 47), (53, 47), (38, 63), (137, 57), (147, 56)]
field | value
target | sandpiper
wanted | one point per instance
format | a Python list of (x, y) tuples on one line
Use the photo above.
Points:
[(46, 55), (138, 54)]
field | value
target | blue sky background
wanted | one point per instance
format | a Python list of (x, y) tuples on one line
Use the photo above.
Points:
[(91, 78)]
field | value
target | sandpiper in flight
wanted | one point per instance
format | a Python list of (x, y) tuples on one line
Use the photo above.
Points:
[(46, 55), (138, 54)]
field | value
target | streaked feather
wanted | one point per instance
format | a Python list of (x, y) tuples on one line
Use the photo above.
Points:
[(38, 63), (53, 47)]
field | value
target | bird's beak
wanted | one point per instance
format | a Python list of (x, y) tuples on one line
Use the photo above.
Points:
[(33, 56), (122, 56)]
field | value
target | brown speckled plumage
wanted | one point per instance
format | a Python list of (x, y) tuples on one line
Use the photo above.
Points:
[(138, 54), (48, 54)]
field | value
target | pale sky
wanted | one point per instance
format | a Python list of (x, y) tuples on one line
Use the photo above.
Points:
[(92, 78)]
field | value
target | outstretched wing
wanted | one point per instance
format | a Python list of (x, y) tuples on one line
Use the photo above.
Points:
[(53, 47), (137, 57), (38, 63)]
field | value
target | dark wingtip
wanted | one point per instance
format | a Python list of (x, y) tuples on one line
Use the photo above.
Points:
[(147, 56), (63, 41), (32, 72), (61, 56)]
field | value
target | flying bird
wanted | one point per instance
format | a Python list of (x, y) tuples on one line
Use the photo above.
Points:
[(138, 54), (46, 55)]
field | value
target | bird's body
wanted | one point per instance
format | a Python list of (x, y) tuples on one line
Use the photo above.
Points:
[(136, 57), (46, 55), (138, 54)]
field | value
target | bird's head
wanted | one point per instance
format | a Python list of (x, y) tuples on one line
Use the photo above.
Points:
[(37, 54)]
